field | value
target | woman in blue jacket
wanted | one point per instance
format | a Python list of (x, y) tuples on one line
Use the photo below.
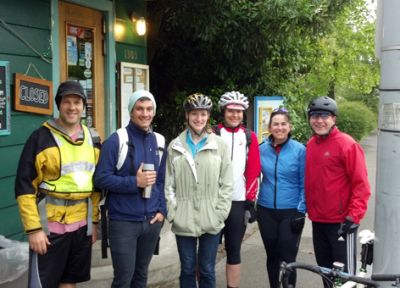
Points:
[(281, 202)]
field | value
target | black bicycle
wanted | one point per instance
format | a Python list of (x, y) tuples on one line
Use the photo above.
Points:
[(334, 275), (337, 276)]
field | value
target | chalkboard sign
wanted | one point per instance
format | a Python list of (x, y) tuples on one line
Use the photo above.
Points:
[(5, 119), (33, 95)]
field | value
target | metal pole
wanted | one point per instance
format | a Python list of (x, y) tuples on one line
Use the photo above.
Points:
[(387, 207)]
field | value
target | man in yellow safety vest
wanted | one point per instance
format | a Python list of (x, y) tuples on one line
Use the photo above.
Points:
[(55, 194)]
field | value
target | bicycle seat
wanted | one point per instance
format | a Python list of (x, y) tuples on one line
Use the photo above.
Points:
[(366, 236)]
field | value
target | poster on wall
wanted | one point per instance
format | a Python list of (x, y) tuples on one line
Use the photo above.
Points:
[(263, 107), (5, 117), (132, 77)]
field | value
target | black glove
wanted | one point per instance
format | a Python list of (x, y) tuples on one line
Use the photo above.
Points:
[(297, 222), (250, 212), (347, 227)]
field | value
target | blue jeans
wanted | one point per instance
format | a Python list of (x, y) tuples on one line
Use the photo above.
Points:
[(206, 254), (132, 246)]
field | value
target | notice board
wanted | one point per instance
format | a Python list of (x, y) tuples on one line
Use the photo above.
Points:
[(263, 107), (33, 95), (5, 117), (132, 77)]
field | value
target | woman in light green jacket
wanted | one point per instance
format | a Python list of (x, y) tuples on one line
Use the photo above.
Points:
[(198, 189)]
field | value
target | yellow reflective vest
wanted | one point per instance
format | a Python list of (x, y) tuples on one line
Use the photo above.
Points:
[(63, 169)]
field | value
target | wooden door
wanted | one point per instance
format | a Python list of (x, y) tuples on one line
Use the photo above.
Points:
[(82, 57)]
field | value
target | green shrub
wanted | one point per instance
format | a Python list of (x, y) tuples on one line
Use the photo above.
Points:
[(356, 119)]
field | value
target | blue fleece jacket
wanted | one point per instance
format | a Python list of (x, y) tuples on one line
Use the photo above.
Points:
[(282, 185), (124, 198)]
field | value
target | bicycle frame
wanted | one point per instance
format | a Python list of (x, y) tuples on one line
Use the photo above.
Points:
[(333, 273)]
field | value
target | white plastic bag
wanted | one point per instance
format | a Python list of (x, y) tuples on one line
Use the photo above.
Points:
[(14, 259)]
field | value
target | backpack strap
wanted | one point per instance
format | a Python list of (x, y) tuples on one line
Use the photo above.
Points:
[(160, 143), (95, 136), (123, 146), (247, 131)]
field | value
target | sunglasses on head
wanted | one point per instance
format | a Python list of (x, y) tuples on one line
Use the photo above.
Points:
[(280, 109)]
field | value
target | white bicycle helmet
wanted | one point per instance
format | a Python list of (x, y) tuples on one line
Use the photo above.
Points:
[(235, 100)]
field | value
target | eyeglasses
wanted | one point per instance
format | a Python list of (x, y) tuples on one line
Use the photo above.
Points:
[(322, 115), (280, 109)]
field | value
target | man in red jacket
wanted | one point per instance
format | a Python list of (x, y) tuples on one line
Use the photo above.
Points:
[(337, 188)]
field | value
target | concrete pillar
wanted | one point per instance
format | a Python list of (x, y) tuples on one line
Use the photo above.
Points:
[(387, 209)]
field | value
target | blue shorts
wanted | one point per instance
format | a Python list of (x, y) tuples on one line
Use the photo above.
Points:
[(67, 260)]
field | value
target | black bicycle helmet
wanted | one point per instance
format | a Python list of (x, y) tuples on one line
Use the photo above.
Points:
[(323, 103), (197, 101)]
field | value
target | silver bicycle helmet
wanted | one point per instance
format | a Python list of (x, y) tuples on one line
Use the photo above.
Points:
[(234, 98), (197, 101)]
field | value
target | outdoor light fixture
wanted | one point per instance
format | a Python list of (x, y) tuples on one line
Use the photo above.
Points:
[(141, 26), (140, 23), (119, 31)]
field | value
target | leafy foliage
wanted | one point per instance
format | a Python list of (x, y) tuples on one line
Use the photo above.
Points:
[(270, 47), (356, 119), (345, 68)]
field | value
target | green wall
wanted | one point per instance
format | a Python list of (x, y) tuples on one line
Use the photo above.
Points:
[(131, 47), (29, 20)]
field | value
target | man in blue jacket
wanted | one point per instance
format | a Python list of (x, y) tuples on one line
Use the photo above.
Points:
[(135, 219)]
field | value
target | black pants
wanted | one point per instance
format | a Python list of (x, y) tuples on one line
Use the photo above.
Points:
[(328, 248), (234, 232), (280, 243)]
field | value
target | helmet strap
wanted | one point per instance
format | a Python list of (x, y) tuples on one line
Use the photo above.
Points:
[(199, 134), (226, 126), (327, 134)]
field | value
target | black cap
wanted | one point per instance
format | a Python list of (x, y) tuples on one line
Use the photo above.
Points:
[(69, 88)]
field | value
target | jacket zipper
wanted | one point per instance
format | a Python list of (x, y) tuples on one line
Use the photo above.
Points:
[(233, 144), (276, 178)]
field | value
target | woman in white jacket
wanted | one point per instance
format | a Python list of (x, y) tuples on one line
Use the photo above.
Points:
[(198, 190)]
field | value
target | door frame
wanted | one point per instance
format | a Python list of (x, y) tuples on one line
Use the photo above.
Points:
[(107, 8)]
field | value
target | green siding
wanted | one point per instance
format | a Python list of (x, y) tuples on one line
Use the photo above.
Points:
[(37, 38), (7, 199), (124, 8), (26, 12), (131, 47), (9, 155), (31, 21), (22, 125), (20, 63), (13, 228)]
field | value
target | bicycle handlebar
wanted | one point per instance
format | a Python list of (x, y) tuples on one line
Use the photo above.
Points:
[(286, 269), (385, 277)]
